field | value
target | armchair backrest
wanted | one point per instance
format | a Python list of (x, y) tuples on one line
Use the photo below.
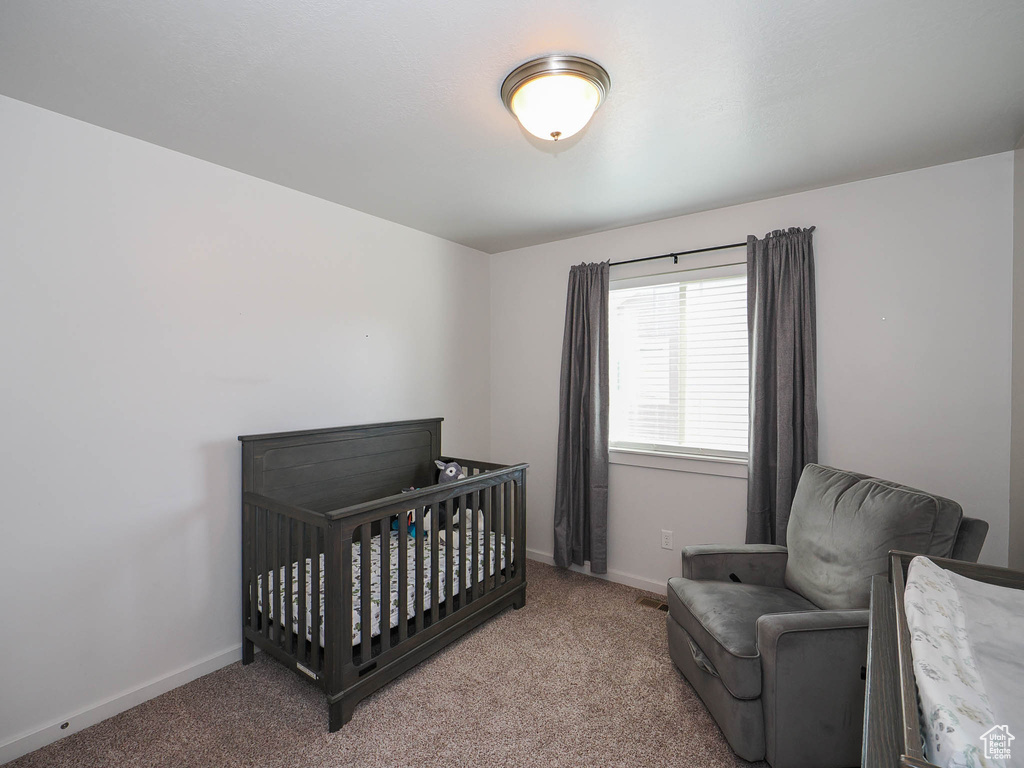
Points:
[(843, 524)]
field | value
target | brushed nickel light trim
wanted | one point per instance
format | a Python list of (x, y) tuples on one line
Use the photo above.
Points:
[(555, 64)]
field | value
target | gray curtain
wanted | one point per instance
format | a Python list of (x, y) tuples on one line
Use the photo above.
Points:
[(783, 374), (581, 482)]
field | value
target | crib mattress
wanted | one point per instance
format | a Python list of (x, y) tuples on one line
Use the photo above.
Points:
[(375, 572)]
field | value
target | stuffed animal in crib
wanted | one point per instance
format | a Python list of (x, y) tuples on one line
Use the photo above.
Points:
[(411, 522), (449, 473), (411, 519), (442, 534)]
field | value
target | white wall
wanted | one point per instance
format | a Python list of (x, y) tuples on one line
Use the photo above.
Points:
[(154, 307), (1016, 545), (921, 397)]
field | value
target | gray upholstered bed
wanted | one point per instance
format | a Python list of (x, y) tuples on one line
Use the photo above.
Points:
[(314, 502)]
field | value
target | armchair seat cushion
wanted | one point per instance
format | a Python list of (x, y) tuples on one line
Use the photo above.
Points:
[(721, 617)]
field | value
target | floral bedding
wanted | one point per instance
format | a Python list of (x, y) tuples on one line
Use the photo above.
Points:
[(965, 642), (375, 597)]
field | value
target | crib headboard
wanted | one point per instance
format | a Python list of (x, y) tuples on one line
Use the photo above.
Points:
[(327, 469)]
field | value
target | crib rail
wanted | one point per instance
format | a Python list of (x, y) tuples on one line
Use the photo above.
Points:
[(491, 505), (282, 549)]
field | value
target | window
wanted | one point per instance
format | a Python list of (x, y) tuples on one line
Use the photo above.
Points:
[(678, 363)]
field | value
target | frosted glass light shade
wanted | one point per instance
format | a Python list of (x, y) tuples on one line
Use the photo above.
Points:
[(554, 97), (555, 107)]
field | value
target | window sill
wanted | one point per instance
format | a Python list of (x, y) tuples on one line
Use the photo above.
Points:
[(701, 465)]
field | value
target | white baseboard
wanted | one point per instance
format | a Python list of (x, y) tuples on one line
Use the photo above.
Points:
[(22, 745), (629, 579)]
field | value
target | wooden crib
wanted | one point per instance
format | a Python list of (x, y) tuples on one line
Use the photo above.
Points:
[(314, 503)]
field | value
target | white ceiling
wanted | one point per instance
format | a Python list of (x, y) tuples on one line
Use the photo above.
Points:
[(391, 106)]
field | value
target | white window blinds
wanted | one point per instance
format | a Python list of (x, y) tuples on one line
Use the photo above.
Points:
[(678, 363)]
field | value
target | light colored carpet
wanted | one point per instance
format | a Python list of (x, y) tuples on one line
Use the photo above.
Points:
[(579, 677)]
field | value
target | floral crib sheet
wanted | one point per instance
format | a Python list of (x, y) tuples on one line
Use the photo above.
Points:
[(375, 570), (965, 643)]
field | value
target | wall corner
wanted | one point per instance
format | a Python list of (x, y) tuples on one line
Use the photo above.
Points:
[(1016, 537)]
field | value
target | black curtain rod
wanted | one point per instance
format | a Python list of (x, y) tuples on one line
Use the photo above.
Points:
[(675, 256)]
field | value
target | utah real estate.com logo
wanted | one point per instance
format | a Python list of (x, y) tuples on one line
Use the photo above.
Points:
[(997, 742)]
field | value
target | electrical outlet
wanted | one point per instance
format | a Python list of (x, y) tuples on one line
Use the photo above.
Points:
[(666, 539)]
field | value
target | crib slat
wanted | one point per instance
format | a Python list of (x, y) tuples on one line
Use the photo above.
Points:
[(340, 577), (300, 640), (466, 588), (403, 576), (513, 529), (288, 584), (260, 584), (275, 556), (419, 569), (271, 577), (485, 540), (316, 598), (508, 529), (282, 576), (365, 585), (498, 530), (261, 565), (463, 560), (485, 505), (435, 534), (385, 584), (250, 556), (246, 549), (520, 542), (472, 505), (285, 561), (449, 556)]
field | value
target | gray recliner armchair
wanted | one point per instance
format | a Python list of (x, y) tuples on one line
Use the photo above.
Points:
[(774, 639)]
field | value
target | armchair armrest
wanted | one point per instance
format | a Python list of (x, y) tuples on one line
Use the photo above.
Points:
[(813, 667), (763, 564)]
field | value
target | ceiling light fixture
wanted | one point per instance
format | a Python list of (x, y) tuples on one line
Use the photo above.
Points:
[(554, 97)]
